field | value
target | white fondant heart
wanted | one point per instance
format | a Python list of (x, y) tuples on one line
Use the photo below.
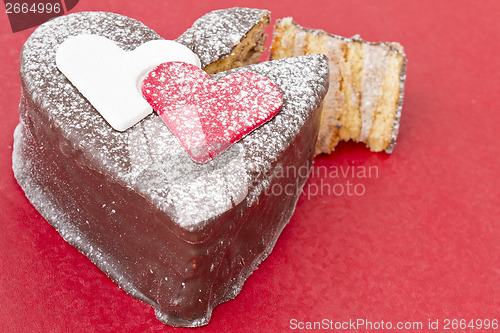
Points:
[(109, 77)]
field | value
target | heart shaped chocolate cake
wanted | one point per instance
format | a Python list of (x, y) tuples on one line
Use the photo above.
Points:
[(176, 234)]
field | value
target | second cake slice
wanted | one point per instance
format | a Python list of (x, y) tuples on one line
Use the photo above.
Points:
[(365, 97)]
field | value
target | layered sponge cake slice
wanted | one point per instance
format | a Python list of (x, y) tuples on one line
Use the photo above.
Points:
[(365, 97)]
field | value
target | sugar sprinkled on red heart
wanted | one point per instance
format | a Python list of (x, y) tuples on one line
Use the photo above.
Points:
[(208, 116)]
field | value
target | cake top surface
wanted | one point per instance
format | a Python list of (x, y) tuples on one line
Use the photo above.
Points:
[(215, 34), (147, 157)]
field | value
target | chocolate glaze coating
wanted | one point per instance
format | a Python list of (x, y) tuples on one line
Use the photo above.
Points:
[(177, 235)]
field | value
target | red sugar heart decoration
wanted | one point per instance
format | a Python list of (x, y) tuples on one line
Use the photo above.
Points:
[(208, 116)]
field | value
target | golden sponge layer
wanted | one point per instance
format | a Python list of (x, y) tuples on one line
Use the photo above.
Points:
[(247, 52), (365, 97)]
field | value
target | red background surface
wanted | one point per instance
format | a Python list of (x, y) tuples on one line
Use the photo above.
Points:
[(421, 243)]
